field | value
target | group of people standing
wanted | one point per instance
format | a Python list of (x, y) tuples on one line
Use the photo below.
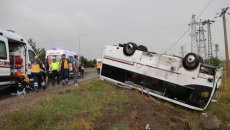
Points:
[(55, 69), (61, 68)]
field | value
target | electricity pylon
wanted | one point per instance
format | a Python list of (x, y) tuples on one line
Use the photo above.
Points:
[(201, 41), (193, 35), (209, 22)]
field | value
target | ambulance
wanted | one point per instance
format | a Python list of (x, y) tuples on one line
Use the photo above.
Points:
[(56, 53), (15, 56)]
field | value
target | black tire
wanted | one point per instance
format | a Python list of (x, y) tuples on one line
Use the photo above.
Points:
[(129, 48), (121, 45), (191, 61), (200, 59), (142, 48)]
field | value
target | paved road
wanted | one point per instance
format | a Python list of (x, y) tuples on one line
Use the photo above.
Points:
[(89, 74)]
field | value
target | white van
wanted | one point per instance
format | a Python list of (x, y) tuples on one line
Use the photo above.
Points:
[(56, 53), (15, 55), (184, 81)]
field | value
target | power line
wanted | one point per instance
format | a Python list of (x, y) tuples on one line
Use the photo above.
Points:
[(177, 41)]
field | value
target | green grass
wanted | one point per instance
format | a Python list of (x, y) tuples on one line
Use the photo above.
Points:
[(79, 108), (222, 108), (76, 109), (120, 126)]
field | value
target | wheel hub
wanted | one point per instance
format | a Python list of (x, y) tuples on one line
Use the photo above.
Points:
[(191, 59)]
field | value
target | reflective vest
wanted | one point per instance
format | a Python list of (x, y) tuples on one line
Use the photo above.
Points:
[(26, 79), (35, 67), (66, 64), (98, 65), (55, 65)]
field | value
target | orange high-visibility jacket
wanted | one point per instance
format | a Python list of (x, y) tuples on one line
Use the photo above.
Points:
[(66, 64), (35, 67)]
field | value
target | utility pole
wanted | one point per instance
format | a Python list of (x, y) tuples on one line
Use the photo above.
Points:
[(222, 14), (182, 51), (216, 49), (193, 35), (209, 22), (201, 41)]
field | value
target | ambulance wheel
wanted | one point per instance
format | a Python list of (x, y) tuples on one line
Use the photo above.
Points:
[(129, 48), (191, 61), (142, 48)]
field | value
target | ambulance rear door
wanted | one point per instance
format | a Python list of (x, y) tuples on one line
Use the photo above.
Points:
[(4, 62)]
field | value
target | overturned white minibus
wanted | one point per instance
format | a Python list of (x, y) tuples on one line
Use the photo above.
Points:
[(183, 81)]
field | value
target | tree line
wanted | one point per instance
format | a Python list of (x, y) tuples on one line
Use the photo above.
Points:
[(41, 52)]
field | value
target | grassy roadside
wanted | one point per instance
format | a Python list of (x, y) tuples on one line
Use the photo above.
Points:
[(222, 108), (75, 109), (98, 105)]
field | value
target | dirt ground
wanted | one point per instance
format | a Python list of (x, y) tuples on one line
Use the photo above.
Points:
[(137, 113)]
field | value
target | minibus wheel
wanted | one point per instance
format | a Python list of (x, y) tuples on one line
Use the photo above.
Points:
[(129, 48), (200, 59), (191, 61)]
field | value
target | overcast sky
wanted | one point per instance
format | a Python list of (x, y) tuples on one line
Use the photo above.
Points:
[(156, 24)]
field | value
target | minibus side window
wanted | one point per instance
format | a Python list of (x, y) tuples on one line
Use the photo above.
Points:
[(207, 70), (31, 55), (3, 54)]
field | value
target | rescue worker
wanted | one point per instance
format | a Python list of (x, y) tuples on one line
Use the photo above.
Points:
[(22, 81), (64, 69), (82, 70), (36, 67), (55, 72), (98, 66), (75, 64), (47, 66)]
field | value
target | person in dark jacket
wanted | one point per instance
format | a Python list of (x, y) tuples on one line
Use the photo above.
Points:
[(82, 69), (75, 64), (47, 66)]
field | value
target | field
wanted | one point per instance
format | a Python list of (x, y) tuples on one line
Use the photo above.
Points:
[(100, 106)]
